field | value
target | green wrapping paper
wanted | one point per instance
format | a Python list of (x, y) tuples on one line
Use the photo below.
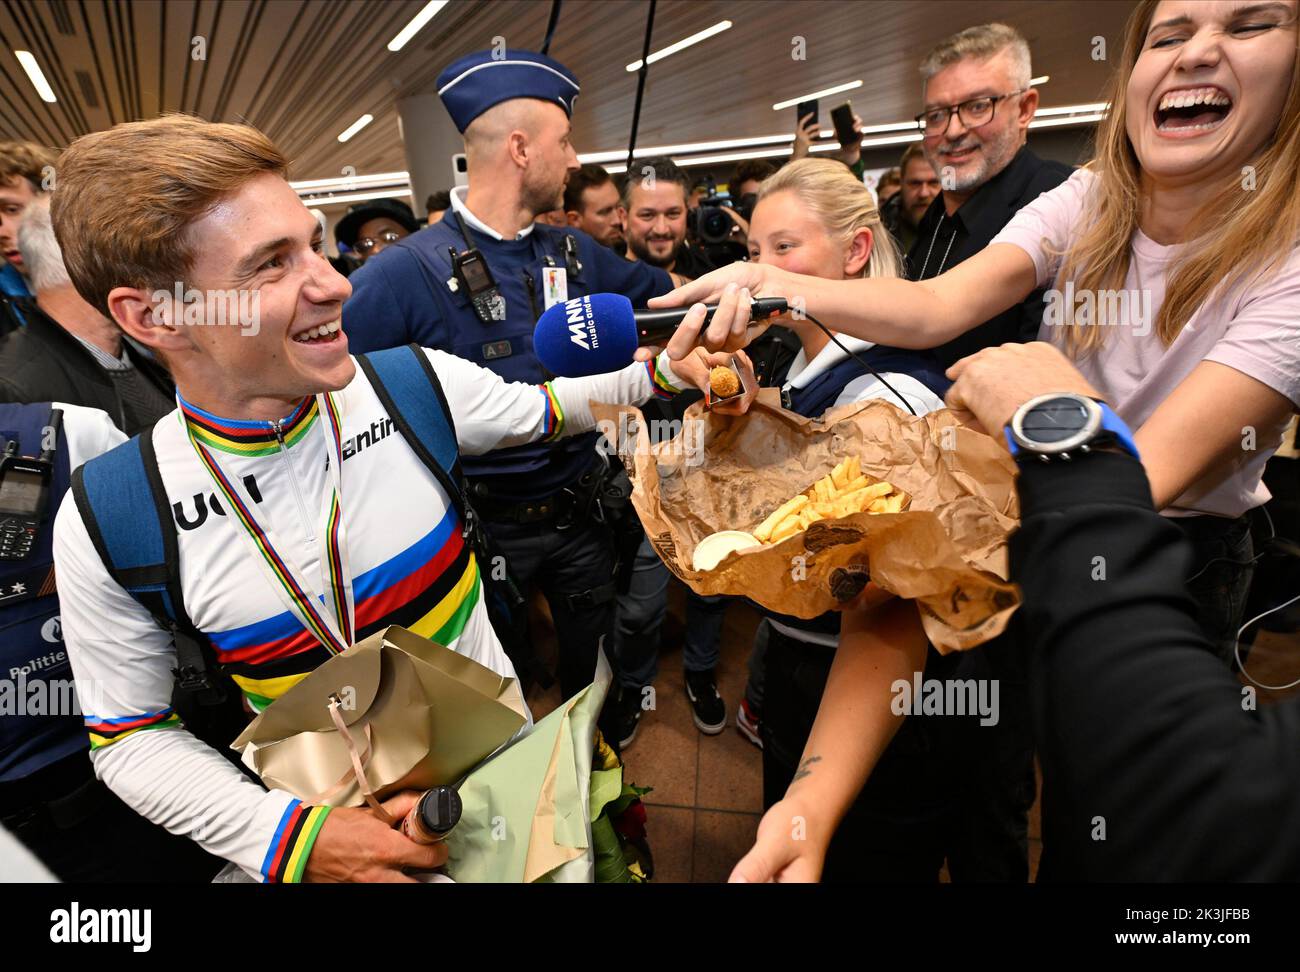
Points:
[(527, 811)]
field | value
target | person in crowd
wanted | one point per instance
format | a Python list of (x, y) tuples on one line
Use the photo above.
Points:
[(554, 217), (850, 153), (1128, 699), (918, 187), (49, 797), (25, 169), (978, 106), (748, 176), (1191, 344), (266, 413), (814, 217), (540, 500), (977, 85), (887, 186), (592, 204), (654, 198), (71, 352), (368, 228), (435, 206)]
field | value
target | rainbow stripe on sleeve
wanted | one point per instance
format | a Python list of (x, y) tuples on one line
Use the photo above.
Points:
[(105, 732), (291, 844), (553, 421), (663, 388)]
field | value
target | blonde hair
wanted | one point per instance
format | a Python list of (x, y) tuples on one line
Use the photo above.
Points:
[(126, 198), (843, 205), (980, 43), (1253, 232)]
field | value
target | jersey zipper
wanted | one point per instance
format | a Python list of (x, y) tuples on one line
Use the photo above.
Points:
[(277, 425)]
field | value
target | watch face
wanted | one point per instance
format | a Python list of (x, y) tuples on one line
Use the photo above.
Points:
[(1054, 421)]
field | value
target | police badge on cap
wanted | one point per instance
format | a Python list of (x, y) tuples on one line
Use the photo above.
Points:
[(480, 80)]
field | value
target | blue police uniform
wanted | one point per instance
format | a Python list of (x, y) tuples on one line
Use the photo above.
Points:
[(537, 499), (49, 796)]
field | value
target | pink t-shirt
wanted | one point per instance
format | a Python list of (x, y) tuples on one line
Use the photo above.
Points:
[(1254, 329)]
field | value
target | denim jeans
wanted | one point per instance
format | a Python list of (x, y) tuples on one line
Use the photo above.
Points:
[(640, 620)]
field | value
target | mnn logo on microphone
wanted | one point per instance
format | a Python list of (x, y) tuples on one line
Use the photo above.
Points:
[(582, 325)]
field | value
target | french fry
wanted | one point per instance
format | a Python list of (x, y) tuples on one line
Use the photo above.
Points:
[(787, 528), (893, 504), (844, 491), (768, 526), (837, 475)]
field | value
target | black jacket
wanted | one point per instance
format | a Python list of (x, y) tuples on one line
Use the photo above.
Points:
[(42, 362), (1156, 766), (944, 241)]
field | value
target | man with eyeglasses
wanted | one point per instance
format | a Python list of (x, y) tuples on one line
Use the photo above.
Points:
[(950, 790), (978, 105), (371, 226)]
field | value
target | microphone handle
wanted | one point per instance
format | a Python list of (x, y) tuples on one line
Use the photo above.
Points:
[(658, 326)]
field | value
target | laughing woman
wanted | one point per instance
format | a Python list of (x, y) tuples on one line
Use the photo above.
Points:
[(1175, 269)]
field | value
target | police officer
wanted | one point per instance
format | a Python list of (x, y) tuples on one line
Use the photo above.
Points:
[(49, 796), (475, 284)]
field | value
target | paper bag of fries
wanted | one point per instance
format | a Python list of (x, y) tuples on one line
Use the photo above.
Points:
[(799, 514)]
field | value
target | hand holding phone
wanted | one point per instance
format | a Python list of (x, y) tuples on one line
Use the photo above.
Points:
[(842, 119)]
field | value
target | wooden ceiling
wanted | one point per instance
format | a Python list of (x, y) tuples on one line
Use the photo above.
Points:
[(303, 70)]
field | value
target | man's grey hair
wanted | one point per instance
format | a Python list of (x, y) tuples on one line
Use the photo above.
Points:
[(42, 257), (980, 43)]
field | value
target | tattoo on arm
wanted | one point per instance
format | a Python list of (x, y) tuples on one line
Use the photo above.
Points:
[(805, 768)]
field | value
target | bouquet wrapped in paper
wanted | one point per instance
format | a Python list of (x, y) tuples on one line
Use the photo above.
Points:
[(408, 712), (941, 542)]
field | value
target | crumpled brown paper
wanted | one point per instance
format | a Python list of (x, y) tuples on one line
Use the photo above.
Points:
[(946, 551)]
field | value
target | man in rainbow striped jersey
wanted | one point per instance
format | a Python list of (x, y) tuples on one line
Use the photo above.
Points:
[(304, 521)]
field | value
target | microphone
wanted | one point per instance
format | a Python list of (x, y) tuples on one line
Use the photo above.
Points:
[(599, 333)]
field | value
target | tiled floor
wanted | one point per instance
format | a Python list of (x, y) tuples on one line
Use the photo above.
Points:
[(707, 797)]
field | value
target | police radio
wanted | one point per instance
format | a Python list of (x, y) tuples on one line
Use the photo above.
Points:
[(474, 278), (25, 494)]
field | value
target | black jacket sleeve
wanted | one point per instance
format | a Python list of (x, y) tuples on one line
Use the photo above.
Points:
[(1156, 765)]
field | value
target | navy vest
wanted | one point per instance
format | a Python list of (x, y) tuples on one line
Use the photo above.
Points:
[(35, 677), (522, 472), (820, 394)]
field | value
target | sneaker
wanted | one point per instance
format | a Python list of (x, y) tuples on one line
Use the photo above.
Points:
[(627, 715), (747, 723), (707, 708)]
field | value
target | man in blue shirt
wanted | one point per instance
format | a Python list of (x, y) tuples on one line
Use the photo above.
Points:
[(474, 284)]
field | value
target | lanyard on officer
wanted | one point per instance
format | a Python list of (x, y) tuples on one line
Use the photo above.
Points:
[(335, 627)]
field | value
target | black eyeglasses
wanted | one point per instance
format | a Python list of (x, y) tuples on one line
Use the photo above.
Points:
[(367, 244), (973, 113)]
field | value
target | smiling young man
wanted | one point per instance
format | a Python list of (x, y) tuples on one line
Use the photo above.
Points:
[(277, 424), (978, 105)]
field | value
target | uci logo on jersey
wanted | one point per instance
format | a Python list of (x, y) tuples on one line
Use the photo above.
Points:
[(202, 502)]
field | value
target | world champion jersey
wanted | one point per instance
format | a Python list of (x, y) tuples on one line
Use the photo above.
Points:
[(409, 562)]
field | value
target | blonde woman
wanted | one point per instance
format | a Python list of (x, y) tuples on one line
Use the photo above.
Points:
[(1174, 270), (813, 217)]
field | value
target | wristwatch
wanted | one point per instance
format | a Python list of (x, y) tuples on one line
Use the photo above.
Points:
[(1063, 425)]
